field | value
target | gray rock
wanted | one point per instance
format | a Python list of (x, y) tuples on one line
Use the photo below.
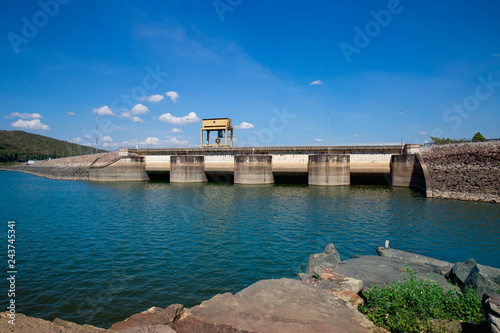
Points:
[(484, 279), (380, 271), (320, 261), (277, 306), (304, 276), (460, 272), (353, 285), (443, 266)]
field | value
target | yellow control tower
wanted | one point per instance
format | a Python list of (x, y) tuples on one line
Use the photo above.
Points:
[(222, 126)]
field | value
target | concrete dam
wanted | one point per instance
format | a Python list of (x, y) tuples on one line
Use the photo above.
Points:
[(321, 166)]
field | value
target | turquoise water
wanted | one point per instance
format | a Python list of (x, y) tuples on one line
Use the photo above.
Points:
[(98, 253)]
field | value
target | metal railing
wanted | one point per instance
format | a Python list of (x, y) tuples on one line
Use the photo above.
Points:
[(269, 150)]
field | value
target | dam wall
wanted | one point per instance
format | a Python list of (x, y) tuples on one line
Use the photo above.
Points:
[(287, 164)]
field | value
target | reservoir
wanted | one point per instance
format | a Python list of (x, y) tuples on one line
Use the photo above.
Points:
[(96, 253)]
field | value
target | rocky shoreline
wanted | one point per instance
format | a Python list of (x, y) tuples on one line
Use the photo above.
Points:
[(324, 299), (464, 171)]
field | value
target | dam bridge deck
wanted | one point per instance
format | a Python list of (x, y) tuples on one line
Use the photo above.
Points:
[(309, 150)]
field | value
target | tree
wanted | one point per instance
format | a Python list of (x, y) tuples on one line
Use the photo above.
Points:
[(478, 137)]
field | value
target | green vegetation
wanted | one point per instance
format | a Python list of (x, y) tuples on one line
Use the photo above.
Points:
[(19, 146), (446, 140), (420, 306), (478, 137), (441, 141)]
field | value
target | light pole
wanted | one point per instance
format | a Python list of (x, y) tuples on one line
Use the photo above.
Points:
[(328, 133), (253, 134), (137, 141), (401, 132), (187, 135), (96, 130)]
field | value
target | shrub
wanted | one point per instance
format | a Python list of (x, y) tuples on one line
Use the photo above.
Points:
[(415, 305)]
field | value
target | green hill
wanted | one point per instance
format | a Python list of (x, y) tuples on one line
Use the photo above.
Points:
[(22, 146)]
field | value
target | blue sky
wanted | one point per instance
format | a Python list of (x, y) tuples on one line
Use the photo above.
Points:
[(153, 69)]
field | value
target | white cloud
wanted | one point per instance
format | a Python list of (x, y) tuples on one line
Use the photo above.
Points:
[(76, 140), (25, 115), (34, 124), (315, 83), (151, 141), (154, 141), (120, 128), (71, 113), (319, 140), (176, 142), (173, 96), (104, 111), (153, 98), (356, 134), (422, 133), (244, 125), (139, 109), (190, 118), (107, 139), (176, 130), (129, 116)]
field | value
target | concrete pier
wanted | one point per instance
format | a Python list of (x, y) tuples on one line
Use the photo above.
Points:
[(125, 169), (187, 169), (409, 170), (329, 170), (253, 169)]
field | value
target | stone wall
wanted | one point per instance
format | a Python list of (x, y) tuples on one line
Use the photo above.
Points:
[(466, 171)]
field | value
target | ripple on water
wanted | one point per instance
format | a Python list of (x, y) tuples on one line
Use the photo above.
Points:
[(98, 253)]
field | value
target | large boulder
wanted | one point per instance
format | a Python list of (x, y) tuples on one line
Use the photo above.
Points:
[(460, 271), (320, 261), (484, 279), (277, 306)]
